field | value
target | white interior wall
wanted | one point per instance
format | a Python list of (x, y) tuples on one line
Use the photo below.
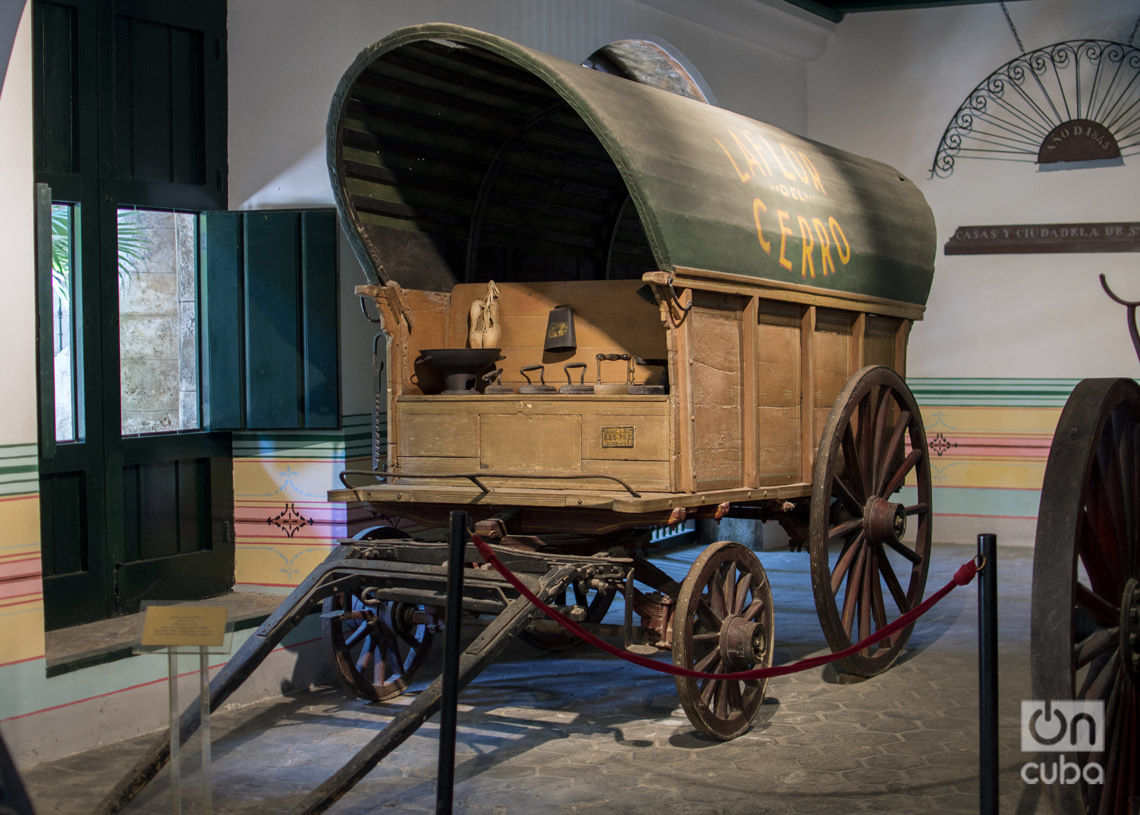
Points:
[(886, 87), (17, 236)]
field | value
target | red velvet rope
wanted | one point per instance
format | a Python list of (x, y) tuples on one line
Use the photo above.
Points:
[(963, 576)]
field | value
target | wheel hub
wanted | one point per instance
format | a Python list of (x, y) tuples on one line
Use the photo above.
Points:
[(884, 520), (743, 643), (1130, 630)]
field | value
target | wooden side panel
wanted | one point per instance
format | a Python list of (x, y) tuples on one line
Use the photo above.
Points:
[(778, 392), (832, 360), (716, 356), (525, 442), (879, 345), (624, 437)]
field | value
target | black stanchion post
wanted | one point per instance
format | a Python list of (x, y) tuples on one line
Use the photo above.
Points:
[(988, 675), (457, 544)]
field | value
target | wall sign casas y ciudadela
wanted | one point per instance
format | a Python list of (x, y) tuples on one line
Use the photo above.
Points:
[(1026, 239)]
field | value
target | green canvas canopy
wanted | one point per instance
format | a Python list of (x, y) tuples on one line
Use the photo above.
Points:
[(459, 156)]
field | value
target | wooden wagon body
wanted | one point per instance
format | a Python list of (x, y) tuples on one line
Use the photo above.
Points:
[(759, 270)]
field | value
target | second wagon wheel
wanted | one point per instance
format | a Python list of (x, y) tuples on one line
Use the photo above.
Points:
[(870, 548), (723, 624), (1086, 585), (377, 646)]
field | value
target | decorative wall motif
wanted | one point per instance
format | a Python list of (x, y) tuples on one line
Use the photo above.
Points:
[(284, 526), (1071, 101), (990, 440)]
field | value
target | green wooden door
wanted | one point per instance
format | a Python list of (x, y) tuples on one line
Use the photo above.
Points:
[(136, 498)]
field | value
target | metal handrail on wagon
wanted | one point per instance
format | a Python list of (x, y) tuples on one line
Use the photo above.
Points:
[(474, 478)]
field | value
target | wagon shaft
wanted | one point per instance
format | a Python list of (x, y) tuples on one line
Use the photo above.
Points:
[(414, 571)]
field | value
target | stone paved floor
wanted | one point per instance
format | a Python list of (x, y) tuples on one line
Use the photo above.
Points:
[(581, 732)]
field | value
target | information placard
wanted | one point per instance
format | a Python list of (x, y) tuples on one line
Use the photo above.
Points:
[(184, 625)]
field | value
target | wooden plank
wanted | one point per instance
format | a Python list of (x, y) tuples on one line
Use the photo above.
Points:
[(321, 380), (150, 100), (807, 393), (750, 388), (272, 320), (449, 434), (778, 398), (716, 375), (879, 344), (858, 340), (223, 298), (188, 159), (525, 442), (794, 293)]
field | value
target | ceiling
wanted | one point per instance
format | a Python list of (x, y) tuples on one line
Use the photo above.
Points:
[(834, 10)]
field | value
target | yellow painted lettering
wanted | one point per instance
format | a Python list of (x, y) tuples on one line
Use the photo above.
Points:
[(758, 152), (785, 230), (825, 259), (806, 263), (815, 179), (743, 176), (754, 162), (837, 235), (758, 207), (801, 171)]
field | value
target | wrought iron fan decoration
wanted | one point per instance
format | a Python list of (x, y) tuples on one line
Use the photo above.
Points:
[(1074, 101)]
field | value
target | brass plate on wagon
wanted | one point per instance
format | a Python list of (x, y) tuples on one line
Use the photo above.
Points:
[(617, 437)]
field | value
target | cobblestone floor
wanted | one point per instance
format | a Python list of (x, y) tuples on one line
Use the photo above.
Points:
[(581, 732)]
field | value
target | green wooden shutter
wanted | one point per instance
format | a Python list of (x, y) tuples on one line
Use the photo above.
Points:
[(271, 320)]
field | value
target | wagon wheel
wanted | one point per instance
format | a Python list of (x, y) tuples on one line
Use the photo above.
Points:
[(596, 602), (376, 647), (870, 549), (723, 624), (1086, 584)]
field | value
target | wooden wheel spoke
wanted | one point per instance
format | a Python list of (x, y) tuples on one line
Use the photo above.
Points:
[(356, 634), (707, 617), (1098, 682), (878, 459), (717, 601), (893, 448), (728, 591), (735, 699), (743, 592), (846, 558), (704, 664), (868, 578), (844, 493), (1090, 550), (854, 581), (365, 658), (845, 528), (917, 509), (1099, 642), (904, 550), (853, 470), (908, 464), (410, 639), (754, 608), (712, 637), (1103, 611), (893, 585), (877, 607)]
